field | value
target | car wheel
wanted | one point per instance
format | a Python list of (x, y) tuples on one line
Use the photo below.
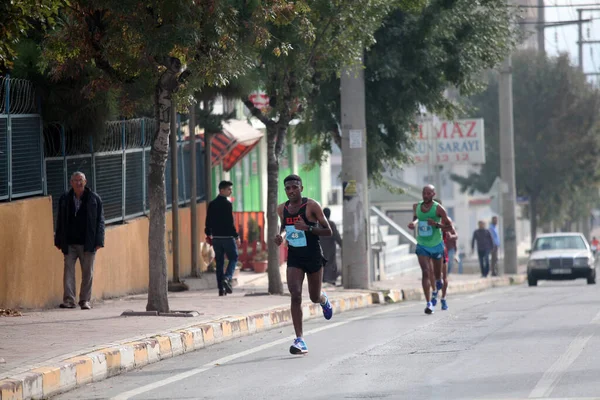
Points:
[(531, 280), (591, 279)]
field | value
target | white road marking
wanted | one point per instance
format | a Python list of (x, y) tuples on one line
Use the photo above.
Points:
[(596, 320), (184, 375), (551, 377)]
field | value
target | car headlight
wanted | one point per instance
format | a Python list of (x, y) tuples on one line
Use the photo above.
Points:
[(581, 262), (538, 264)]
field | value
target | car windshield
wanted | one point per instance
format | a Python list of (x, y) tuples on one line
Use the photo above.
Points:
[(559, 243)]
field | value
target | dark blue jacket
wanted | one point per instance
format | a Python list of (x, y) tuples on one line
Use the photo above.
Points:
[(94, 235)]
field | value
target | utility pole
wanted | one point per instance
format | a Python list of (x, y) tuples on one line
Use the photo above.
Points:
[(174, 193), (356, 257), (207, 161), (541, 39), (581, 42), (176, 285), (507, 168), (193, 189), (580, 36)]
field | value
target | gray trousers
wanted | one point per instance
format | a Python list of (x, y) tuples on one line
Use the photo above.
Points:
[(495, 261), (87, 274)]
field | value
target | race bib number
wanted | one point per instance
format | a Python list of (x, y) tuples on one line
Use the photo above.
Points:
[(425, 229), (294, 237)]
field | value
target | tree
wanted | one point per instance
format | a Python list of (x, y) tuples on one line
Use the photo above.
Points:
[(417, 55), (311, 40), (147, 51), (17, 18), (557, 142)]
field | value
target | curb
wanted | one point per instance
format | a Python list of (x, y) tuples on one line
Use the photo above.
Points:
[(397, 295), (40, 383)]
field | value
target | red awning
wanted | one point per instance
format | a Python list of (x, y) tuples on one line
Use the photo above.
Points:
[(230, 146)]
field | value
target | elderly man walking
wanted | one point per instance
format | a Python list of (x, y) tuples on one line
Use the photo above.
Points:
[(79, 234)]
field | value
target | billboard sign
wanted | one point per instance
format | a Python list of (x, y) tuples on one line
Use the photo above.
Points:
[(441, 142)]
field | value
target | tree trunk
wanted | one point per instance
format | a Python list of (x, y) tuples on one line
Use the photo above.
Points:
[(533, 216), (158, 277), (275, 284)]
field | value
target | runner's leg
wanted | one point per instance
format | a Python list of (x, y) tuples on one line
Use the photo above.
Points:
[(295, 278), (434, 290), (315, 280), (425, 263), (445, 279), (316, 293)]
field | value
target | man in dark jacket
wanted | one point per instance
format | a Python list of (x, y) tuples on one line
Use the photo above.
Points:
[(328, 244), (79, 233), (222, 235), (485, 244)]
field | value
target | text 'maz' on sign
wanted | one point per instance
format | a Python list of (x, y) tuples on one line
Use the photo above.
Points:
[(450, 142)]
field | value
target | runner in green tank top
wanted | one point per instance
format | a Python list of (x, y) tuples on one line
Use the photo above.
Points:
[(430, 245)]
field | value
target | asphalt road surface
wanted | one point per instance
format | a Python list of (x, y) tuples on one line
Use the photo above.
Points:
[(511, 343)]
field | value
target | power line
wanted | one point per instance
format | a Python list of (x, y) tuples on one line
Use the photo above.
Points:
[(562, 5)]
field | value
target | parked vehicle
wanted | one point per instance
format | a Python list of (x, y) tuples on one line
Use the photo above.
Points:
[(561, 256)]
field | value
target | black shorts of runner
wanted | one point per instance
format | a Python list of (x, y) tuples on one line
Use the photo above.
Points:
[(309, 266)]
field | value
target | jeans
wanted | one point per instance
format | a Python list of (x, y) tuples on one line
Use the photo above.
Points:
[(484, 262), (451, 254), (225, 247)]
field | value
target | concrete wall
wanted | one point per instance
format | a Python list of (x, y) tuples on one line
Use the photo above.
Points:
[(31, 268)]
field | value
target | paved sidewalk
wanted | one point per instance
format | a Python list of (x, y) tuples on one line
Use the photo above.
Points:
[(47, 352)]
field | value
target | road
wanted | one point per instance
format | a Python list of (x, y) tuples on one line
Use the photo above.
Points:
[(511, 343)]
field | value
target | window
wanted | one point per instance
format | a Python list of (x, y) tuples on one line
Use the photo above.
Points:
[(559, 243)]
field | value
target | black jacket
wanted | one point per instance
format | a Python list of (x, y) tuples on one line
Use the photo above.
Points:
[(219, 218), (94, 236)]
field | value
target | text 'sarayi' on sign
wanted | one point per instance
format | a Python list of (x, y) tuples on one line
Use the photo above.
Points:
[(450, 142)]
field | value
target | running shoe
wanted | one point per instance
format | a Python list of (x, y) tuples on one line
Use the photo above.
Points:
[(429, 308), (327, 308), (434, 298), (439, 285), (444, 304), (299, 347)]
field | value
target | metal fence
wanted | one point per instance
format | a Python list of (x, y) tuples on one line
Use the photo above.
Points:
[(21, 141), (116, 167)]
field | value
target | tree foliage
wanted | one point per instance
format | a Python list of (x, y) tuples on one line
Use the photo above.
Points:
[(158, 54), (308, 42), (417, 54), (557, 141), (17, 18)]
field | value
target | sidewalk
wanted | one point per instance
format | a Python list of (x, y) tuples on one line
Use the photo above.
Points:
[(52, 351)]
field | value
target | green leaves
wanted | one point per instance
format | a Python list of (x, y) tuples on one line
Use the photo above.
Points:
[(557, 141), (17, 17), (417, 54)]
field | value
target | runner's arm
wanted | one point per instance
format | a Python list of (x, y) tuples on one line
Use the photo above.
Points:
[(280, 213), (414, 221), (317, 211), (441, 212)]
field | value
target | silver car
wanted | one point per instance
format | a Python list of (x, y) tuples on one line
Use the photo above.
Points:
[(561, 256)]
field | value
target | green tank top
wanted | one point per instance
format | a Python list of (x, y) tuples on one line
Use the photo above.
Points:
[(428, 236)]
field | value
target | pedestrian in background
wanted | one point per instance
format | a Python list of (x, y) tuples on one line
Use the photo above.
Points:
[(222, 235), (496, 240), (328, 244), (485, 244), (79, 234)]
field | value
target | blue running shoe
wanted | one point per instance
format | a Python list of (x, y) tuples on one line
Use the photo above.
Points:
[(299, 347), (327, 308), (434, 298), (439, 285), (444, 304)]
